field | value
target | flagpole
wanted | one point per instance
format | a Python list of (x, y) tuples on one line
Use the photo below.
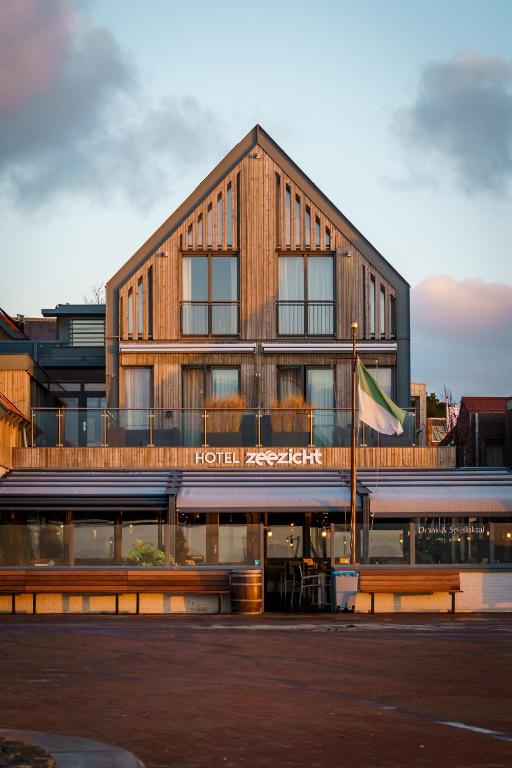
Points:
[(353, 470)]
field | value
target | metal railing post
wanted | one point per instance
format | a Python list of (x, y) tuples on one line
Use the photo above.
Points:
[(205, 429), (59, 428), (104, 416), (151, 417)]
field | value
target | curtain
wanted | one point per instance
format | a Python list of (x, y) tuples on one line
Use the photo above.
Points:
[(384, 378), (289, 382), (291, 288), (291, 278), (320, 282), (320, 288), (194, 279), (224, 382), (137, 396), (320, 393), (193, 397)]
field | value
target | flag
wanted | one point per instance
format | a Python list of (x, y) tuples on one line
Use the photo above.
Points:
[(375, 408)]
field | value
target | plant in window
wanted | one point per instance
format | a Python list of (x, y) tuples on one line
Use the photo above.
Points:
[(290, 414), (225, 414), (145, 554)]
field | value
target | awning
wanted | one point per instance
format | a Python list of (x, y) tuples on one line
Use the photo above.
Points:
[(263, 492), (439, 493), (86, 487)]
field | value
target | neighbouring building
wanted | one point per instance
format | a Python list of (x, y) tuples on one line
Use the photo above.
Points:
[(480, 435)]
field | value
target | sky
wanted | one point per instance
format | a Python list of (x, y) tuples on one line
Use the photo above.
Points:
[(112, 111)]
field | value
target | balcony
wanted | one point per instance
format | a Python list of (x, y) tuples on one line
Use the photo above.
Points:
[(212, 427), (305, 318), (214, 318)]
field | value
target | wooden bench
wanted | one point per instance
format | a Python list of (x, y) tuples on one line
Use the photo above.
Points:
[(114, 582), (424, 581)]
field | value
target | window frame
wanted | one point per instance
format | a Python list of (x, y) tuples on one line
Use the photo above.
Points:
[(304, 368), (306, 255), (207, 376), (210, 255)]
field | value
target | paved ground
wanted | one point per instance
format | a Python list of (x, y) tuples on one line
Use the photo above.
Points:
[(321, 692)]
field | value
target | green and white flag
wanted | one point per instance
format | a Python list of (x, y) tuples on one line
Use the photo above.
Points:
[(375, 408)]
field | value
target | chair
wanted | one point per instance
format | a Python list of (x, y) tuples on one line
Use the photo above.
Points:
[(305, 585)]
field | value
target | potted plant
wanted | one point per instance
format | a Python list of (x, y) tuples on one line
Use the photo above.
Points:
[(224, 419), (145, 554), (290, 421)]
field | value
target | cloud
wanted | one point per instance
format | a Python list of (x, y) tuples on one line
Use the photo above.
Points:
[(73, 117), (461, 335), (462, 117)]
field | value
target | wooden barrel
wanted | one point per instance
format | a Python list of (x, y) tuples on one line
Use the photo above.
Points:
[(246, 591)]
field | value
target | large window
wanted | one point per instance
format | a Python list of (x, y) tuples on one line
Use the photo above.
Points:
[(137, 396), (384, 376), (306, 296), (210, 296), (316, 387), (373, 299)]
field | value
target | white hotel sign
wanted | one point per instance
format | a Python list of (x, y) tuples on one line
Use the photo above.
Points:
[(303, 457)]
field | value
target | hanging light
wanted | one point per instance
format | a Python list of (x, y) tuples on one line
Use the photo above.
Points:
[(270, 532), (324, 533)]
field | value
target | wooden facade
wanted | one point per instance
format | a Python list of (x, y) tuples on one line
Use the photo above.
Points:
[(257, 204), (162, 458), (14, 385)]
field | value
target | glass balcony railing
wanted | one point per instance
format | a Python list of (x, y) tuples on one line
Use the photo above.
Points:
[(212, 427), (305, 318)]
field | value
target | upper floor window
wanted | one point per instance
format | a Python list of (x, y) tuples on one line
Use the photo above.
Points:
[(220, 219), (307, 227), (306, 296), (317, 232), (150, 302), (373, 299), (209, 296), (140, 308), (384, 376), (392, 302), (200, 231), (87, 331), (209, 225), (288, 216), (190, 236), (298, 221), (130, 312), (327, 238), (229, 216), (382, 312)]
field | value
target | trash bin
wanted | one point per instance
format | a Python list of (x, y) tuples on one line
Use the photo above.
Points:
[(344, 586)]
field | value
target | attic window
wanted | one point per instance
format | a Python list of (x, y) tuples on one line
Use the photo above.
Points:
[(307, 227), (327, 238), (200, 231), (190, 237), (317, 232), (219, 219), (209, 225), (287, 216), (298, 221), (229, 216)]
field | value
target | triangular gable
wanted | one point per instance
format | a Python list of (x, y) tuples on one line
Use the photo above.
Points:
[(257, 136)]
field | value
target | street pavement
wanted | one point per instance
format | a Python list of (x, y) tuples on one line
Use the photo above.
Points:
[(311, 690)]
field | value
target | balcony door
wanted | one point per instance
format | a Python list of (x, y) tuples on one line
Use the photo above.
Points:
[(306, 296), (199, 384), (209, 304)]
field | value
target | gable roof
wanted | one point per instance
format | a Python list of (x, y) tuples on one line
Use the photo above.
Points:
[(257, 136), (10, 326), (11, 409), (485, 404)]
